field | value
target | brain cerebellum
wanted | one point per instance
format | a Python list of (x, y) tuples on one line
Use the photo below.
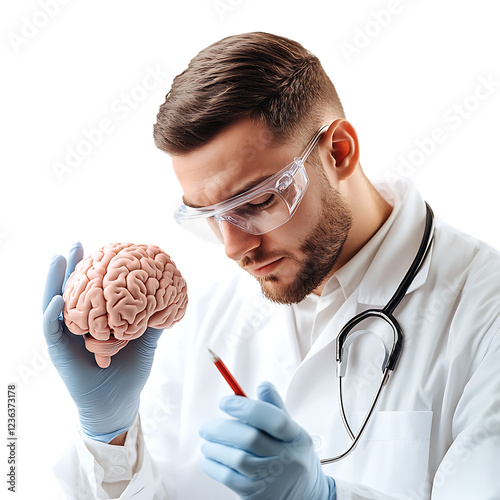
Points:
[(118, 291)]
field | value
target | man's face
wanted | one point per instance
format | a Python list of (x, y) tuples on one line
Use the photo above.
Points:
[(292, 260)]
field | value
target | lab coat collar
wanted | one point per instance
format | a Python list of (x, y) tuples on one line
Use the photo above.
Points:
[(350, 275), (399, 247)]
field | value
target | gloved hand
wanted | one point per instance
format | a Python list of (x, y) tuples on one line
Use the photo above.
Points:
[(264, 454), (107, 398)]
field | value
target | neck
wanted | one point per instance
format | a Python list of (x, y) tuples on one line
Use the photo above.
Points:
[(369, 212)]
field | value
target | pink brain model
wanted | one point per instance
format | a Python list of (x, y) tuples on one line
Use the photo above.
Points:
[(117, 292)]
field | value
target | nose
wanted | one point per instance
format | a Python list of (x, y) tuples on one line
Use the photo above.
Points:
[(236, 241)]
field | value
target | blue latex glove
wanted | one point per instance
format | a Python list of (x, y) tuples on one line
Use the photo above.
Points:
[(107, 398), (264, 454)]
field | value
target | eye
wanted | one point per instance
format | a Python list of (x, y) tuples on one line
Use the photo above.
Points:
[(257, 205), (262, 202)]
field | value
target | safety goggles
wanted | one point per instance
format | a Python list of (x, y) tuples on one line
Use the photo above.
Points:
[(259, 210)]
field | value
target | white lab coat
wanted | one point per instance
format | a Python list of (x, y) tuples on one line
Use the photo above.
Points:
[(436, 431)]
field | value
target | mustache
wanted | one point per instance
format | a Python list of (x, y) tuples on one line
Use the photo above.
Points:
[(259, 257)]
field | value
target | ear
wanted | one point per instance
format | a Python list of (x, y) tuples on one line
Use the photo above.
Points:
[(340, 151)]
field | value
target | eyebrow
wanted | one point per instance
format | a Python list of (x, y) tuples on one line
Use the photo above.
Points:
[(247, 187)]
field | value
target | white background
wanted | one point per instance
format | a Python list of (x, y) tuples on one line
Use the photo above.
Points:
[(400, 75)]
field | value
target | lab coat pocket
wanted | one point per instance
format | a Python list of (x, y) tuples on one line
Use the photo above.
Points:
[(393, 455)]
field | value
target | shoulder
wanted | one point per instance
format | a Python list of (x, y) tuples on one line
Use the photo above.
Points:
[(219, 303), (225, 291), (462, 253), (469, 270), (213, 309)]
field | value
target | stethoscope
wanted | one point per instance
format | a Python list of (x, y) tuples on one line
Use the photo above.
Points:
[(386, 314)]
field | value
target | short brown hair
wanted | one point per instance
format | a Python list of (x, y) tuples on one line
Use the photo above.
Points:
[(257, 75)]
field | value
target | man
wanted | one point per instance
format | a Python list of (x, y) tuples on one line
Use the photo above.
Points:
[(323, 245)]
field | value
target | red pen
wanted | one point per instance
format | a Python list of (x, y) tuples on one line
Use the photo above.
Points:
[(226, 374)]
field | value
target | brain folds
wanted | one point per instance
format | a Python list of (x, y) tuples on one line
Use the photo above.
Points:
[(118, 291)]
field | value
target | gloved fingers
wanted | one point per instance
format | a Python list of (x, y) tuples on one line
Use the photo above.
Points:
[(268, 393), (239, 460), (75, 256), (150, 337), (55, 277), (262, 415), (51, 324), (241, 436), (240, 484)]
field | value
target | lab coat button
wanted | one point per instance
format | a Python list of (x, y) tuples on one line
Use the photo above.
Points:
[(317, 442), (118, 470)]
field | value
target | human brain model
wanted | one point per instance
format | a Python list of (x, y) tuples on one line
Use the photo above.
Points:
[(117, 292)]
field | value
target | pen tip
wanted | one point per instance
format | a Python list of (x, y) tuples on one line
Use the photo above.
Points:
[(214, 356)]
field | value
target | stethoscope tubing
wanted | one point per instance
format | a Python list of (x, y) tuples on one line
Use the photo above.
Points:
[(398, 336)]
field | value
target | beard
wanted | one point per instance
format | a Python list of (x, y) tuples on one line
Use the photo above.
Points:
[(320, 249)]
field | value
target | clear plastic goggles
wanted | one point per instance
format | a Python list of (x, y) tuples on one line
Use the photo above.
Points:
[(263, 208)]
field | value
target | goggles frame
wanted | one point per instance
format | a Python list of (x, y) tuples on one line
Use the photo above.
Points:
[(276, 183)]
